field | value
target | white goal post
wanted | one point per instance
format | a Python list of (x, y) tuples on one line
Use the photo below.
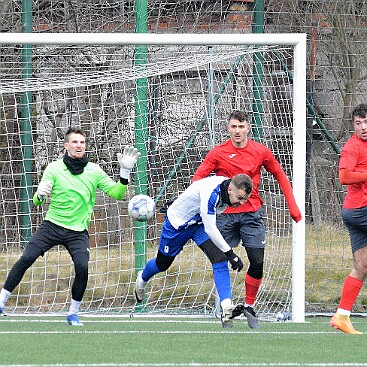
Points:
[(186, 67)]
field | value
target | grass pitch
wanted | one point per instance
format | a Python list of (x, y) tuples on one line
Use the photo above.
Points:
[(141, 341)]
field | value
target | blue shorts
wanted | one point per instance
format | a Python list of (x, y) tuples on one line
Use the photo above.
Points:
[(248, 227), (173, 240), (356, 223)]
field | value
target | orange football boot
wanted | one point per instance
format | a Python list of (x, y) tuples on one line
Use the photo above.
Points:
[(343, 323)]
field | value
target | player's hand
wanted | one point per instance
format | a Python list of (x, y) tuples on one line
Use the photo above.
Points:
[(127, 160), (44, 188), (236, 262), (165, 206), (296, 215)]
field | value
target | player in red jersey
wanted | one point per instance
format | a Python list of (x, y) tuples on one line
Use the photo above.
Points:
[(353, 172), (237, 155)]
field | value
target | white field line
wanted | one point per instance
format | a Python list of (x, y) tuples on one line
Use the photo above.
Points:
[(192, 364), (75, 330)]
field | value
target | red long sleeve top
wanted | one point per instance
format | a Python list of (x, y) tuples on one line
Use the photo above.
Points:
[(227, 160), (353, 172)]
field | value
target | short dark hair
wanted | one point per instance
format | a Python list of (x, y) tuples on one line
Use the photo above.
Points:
[(74, 130), (360, 111), (243, 182), (238, 115)]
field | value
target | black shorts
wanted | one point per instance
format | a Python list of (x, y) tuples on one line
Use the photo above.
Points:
[(248, 227), (50, 234), (356, 222)]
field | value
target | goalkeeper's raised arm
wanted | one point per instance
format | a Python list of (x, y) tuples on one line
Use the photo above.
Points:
[(127, 161)]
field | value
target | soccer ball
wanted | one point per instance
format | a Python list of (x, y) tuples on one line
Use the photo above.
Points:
[(141, 207), (283, 316)]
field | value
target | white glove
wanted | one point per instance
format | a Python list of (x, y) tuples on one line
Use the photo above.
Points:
[(44, 188), (127, 161)]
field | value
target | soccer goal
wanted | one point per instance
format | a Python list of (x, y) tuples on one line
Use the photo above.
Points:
[(169, 95)]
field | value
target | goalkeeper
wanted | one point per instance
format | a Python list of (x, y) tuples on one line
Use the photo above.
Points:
[(72, 183), (193, 216), (239, 154)]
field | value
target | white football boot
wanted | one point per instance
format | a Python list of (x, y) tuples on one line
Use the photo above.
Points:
[(229, 313), (139, 288)]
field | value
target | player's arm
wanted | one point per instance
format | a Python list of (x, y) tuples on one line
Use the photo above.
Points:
[(115, 190), (276, 170), (43, 190), (44, 187), (126, 161), (209, 221), (208, 216), (349, 158), (206, 167), (348, 177), (118, 191)]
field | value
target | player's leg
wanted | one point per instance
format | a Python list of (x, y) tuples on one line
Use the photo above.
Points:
[(37, 246), (356, 223), (154, 266), (29, 256), (252, 230), (170, 245), (77, 243), (229, 226), (253, 279), (222, 279), (350, 292)]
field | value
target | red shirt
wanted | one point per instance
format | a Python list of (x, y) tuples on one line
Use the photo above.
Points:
[(226, 160), (354, 158)]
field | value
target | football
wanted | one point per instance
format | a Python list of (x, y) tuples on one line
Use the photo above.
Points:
[(283, 316), (141, 207)]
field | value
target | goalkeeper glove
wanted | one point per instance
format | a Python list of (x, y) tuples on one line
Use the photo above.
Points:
[(44, 188), (236, 262), (127, 161)]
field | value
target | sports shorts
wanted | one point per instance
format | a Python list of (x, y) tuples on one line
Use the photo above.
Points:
[(356, 223), (50, 234), (173, 240), (246, 227)]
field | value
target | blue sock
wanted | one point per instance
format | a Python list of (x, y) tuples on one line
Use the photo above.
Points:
[(222, 280), (150, 270)]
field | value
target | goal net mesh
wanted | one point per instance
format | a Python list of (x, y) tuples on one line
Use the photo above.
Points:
[(188, 94)]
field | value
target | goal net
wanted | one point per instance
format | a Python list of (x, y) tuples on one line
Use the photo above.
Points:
[(170, 96)]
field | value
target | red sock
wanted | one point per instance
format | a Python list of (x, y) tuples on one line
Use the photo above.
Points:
[(252, 286), (350, 292)]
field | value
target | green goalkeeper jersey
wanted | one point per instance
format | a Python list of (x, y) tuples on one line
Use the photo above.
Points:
[(74, 196)]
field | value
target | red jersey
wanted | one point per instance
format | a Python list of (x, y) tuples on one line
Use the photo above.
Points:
[(354, 158), (227, 160)]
